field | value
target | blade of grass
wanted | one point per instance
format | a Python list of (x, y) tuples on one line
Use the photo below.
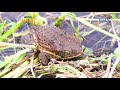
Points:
[(77, 31), (113, 15), (14, 28), (3, 44), (71, 21), (2, 26), (1, 49), (60, 19), (87, 33)]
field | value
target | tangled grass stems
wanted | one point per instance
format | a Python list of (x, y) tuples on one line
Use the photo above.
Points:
[(66, 69), (78, 73), (17, 72), (21, 70), (10, 60)]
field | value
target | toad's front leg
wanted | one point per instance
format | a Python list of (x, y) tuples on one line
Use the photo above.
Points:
[(44, 58)]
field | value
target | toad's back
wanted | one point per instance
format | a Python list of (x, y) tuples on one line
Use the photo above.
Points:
[(56, 40)]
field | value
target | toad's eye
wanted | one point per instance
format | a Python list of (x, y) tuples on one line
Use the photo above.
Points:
[(66, 52)]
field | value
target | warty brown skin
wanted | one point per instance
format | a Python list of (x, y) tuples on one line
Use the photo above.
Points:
[(54, 41)]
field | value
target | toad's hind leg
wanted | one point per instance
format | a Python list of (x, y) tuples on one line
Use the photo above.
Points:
[(44, 58)]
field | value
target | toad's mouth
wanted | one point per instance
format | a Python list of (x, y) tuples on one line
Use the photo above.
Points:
[(71, 57), (59, 57)]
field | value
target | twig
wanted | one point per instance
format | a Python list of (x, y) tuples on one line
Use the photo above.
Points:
[(40, 76)]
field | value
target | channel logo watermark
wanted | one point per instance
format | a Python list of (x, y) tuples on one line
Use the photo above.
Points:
[(27, 18), (103, 20)]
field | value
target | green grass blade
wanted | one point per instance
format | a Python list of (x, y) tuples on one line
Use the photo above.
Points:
[(60, 19), (2, 26), (14, 28)]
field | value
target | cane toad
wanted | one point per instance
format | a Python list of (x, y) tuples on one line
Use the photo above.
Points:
[(53, 42)]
